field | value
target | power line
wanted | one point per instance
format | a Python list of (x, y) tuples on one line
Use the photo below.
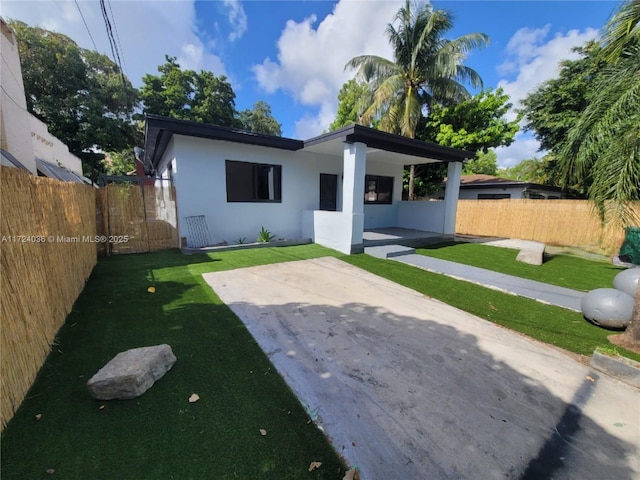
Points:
[(112, 41), (115, 26), (86, 26)]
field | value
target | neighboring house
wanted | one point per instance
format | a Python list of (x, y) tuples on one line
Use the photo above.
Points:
[(329, 188), (25, 141), (488, 187)]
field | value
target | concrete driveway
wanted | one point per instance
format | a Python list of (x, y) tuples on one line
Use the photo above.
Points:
[(407, 387)]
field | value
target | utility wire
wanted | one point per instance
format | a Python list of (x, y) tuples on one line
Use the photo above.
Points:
[(112, 41), (115, 26), (86, 26)]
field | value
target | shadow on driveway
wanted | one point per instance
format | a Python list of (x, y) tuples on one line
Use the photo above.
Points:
[(408, 387)]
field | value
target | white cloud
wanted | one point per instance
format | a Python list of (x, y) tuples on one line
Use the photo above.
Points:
[(524, 147), (237, 19), (312, 56), (146, 30), (532, 59), (536, 61)]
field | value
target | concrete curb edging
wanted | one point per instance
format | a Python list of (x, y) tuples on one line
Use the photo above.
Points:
[(244, 246), (624, 369)]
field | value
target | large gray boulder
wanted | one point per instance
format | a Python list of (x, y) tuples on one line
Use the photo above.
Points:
[(131, 373)]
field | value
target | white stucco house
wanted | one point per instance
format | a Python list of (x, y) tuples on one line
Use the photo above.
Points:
[(489, 187), (331, 188)]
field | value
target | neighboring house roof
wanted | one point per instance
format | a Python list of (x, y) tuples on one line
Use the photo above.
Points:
[(52, 170), (159, 130), (12, 160), (489, 181)]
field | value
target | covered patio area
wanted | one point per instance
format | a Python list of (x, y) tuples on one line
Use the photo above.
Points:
[(408, 237)]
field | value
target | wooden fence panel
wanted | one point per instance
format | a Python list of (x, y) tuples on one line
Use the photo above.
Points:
[(555, 222), (45, 259), (138, 219)]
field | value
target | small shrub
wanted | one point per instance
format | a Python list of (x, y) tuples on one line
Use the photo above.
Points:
[(265, 236)]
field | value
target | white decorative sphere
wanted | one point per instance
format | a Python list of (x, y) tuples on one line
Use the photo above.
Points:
[(627, 281), (608, 307)]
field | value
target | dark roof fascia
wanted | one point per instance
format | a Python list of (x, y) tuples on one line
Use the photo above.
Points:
[(159, 130), (510, 185), (392, 143)]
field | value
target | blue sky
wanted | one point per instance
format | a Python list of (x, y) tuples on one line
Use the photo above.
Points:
[(292, 53)]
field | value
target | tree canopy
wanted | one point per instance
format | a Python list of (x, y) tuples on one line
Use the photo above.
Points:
[(260, 120), (603, 146), (351, 100), (80, 94), (427, 69), (552, 109), (485, 163), (189, 95)]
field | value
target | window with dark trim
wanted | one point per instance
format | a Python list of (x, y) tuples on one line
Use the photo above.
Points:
[(253, 182), (378, 189), (493, 196)]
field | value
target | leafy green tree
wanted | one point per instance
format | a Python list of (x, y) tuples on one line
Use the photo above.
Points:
[(426, 69), (352, 99), (188, 95), (81, 95), (119, 163), (475, 124), (603, 147), (554, 107), (544, 171), (604, 144), (260, 120), (485, 163)]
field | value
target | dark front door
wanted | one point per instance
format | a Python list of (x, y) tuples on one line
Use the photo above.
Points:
[(328, 192)]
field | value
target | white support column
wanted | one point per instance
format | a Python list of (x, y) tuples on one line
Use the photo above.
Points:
[(355, 159), (354, 164), (451, 197)]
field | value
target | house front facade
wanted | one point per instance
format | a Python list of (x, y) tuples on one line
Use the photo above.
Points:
[(329, 189)]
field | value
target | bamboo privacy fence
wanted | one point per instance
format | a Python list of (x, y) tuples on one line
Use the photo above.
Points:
[(556, 222), (137, 219), (46, 255)]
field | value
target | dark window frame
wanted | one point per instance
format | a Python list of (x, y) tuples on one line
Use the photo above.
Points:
[(255, 175), (494, 196), (378, 185)]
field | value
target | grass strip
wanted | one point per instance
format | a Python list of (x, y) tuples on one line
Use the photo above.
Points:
[(160, 435), (561, 270), (553, 325)]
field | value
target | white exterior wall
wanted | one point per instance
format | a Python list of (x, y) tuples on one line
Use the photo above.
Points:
[(381, 216), (49, 148), (14, 118), (200, 180), (331, 229), (427, 216)]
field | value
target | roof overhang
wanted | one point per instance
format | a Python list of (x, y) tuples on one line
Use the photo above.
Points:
[(159, 130), (381, 146), (385, 146)]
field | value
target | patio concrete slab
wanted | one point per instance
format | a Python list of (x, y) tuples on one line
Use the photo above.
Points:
[(408, 387), (543, 292)]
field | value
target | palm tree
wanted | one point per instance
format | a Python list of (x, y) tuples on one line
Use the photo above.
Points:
[(605, 143), (426, 69)]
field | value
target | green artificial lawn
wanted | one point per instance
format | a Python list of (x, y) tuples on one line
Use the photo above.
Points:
[(160, 435), (554, 325), (561, 270)]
